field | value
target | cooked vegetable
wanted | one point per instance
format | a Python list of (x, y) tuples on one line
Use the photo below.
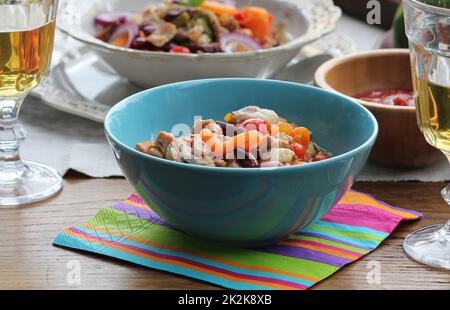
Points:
[(321, 156), (246, 159), (286, 128), (182, 20), (210, 26), (200, 21), (228, 118), (248, 140), (180, 50), (258, 20), (214, 142), (299, 150), (236, 42), (302, 136), (193, 3), (124, 35), (106, 19), (265, 141)]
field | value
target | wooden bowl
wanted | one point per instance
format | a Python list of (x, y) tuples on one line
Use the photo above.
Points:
[(400, 142)]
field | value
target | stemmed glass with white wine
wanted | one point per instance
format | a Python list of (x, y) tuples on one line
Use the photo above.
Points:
[(27, 30), (428, 30)]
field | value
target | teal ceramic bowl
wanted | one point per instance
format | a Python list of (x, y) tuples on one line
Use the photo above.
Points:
[(238, 206)]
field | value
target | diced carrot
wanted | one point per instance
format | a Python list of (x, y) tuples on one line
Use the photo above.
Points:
[(258, 20), (248, 141), (121, 40), (302, 135), (228, 118), (206, 135), (218, 8), (215, 145), (286, 128)]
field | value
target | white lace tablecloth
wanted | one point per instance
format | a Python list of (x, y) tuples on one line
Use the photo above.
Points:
[(67, 142)]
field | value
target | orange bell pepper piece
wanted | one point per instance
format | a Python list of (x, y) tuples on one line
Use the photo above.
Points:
[(258, 20)]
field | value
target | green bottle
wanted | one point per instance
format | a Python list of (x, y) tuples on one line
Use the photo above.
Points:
[(400, 40)]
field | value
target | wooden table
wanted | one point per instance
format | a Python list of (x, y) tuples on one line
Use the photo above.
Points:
[(29, 261)]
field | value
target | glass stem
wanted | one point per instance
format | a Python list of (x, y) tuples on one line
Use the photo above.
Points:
[(12, 135), (446, 195), (443, 232)]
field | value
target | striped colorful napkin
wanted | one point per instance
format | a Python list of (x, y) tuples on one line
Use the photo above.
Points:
[(131, 231)]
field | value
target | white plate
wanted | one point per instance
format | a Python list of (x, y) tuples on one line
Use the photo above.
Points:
[(82, 84)]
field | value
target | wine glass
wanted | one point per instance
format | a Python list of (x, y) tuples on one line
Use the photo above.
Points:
[(27, 30), (428, 31)]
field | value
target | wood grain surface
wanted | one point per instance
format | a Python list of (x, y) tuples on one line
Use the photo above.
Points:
[(29, 261)]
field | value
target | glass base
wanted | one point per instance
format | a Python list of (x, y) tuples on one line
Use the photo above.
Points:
[(430, 246), (35, 182)]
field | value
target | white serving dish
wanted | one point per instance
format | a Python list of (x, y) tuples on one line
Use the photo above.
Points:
[(306, 20), (83, 84)]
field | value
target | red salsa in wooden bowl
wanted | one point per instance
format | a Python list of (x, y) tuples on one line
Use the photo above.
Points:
[(395, 96)]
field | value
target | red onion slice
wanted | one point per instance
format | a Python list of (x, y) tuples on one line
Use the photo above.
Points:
[(128, 27), (232, 42), (106, 19)]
